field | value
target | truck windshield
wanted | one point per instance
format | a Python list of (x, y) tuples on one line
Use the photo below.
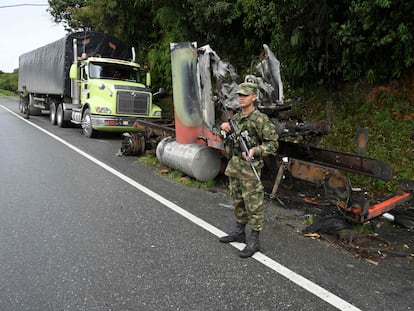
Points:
[(115, 72)]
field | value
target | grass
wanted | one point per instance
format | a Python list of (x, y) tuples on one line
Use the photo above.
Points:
[(7, 93), (174, 174)]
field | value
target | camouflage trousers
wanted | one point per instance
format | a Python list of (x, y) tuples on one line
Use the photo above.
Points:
[(25, 104), (248, 201)]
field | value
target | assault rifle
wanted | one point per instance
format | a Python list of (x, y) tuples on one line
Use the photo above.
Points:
[(241, 138)]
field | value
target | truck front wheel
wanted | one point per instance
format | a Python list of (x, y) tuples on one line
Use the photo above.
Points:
[(88, 131)]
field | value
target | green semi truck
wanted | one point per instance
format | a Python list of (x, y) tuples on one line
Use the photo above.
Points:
[(90, 79)]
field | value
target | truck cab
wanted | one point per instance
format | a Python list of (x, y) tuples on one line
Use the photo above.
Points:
[(111, 94)]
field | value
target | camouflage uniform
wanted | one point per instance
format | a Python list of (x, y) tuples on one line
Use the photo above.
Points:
[(245, 190), (25, 101)]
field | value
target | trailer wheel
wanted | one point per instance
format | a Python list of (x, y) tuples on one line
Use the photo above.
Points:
[(60, 121), (52, 108), (88, 131), (34, 111)]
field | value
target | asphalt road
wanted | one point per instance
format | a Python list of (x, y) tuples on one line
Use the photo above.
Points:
[(84, 229)]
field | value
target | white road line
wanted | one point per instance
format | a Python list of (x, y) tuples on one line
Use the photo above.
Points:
[(301, 281)]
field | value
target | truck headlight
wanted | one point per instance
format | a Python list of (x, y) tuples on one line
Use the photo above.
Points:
[(102, 110), (157, 114)]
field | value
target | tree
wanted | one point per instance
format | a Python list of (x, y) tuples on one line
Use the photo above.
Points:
[(8, 81), (63, 12), (318, 42), (378, 36)]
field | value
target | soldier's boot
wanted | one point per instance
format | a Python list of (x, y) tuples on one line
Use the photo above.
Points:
[(237, 235), (252, 245)]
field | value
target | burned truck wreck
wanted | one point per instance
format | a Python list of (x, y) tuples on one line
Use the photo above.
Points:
[(192, 142)]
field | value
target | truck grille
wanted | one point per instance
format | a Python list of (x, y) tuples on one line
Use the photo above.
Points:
[(132, 103)]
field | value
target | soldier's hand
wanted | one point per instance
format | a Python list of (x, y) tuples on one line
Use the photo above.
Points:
[(225, 126), (251, 154)]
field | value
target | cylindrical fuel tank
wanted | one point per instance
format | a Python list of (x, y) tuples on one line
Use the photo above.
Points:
[(198, 161)]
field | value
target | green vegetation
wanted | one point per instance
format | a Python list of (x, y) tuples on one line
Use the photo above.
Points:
[(365, 228), (328, 51), (325, 42), (174, 174), (389, 118), (8, 83), (7, 93)]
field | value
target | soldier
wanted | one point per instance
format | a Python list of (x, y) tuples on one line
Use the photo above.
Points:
[(25, 101), (246, 191)]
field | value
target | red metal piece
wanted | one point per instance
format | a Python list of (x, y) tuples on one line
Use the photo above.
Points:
[(360, 215), (187, 134)]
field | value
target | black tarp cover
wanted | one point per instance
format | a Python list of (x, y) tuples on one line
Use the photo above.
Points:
[(46, 69)]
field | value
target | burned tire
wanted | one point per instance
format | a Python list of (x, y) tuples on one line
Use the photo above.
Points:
[(87, 129)]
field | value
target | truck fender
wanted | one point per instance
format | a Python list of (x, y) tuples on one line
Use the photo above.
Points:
[(67, 111), (63, 113)]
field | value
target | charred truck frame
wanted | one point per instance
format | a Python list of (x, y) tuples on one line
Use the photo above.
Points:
[(194, 146)]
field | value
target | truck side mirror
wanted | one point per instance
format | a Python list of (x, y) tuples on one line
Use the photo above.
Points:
[(158, 94), (73, 73), (148, 79)]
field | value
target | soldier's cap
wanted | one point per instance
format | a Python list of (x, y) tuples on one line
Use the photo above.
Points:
[(246, 88)]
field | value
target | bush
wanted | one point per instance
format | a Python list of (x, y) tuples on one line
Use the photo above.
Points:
[(387, 113), (9, 81)]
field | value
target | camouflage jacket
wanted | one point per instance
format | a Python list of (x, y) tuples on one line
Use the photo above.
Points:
[(261, 135)]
